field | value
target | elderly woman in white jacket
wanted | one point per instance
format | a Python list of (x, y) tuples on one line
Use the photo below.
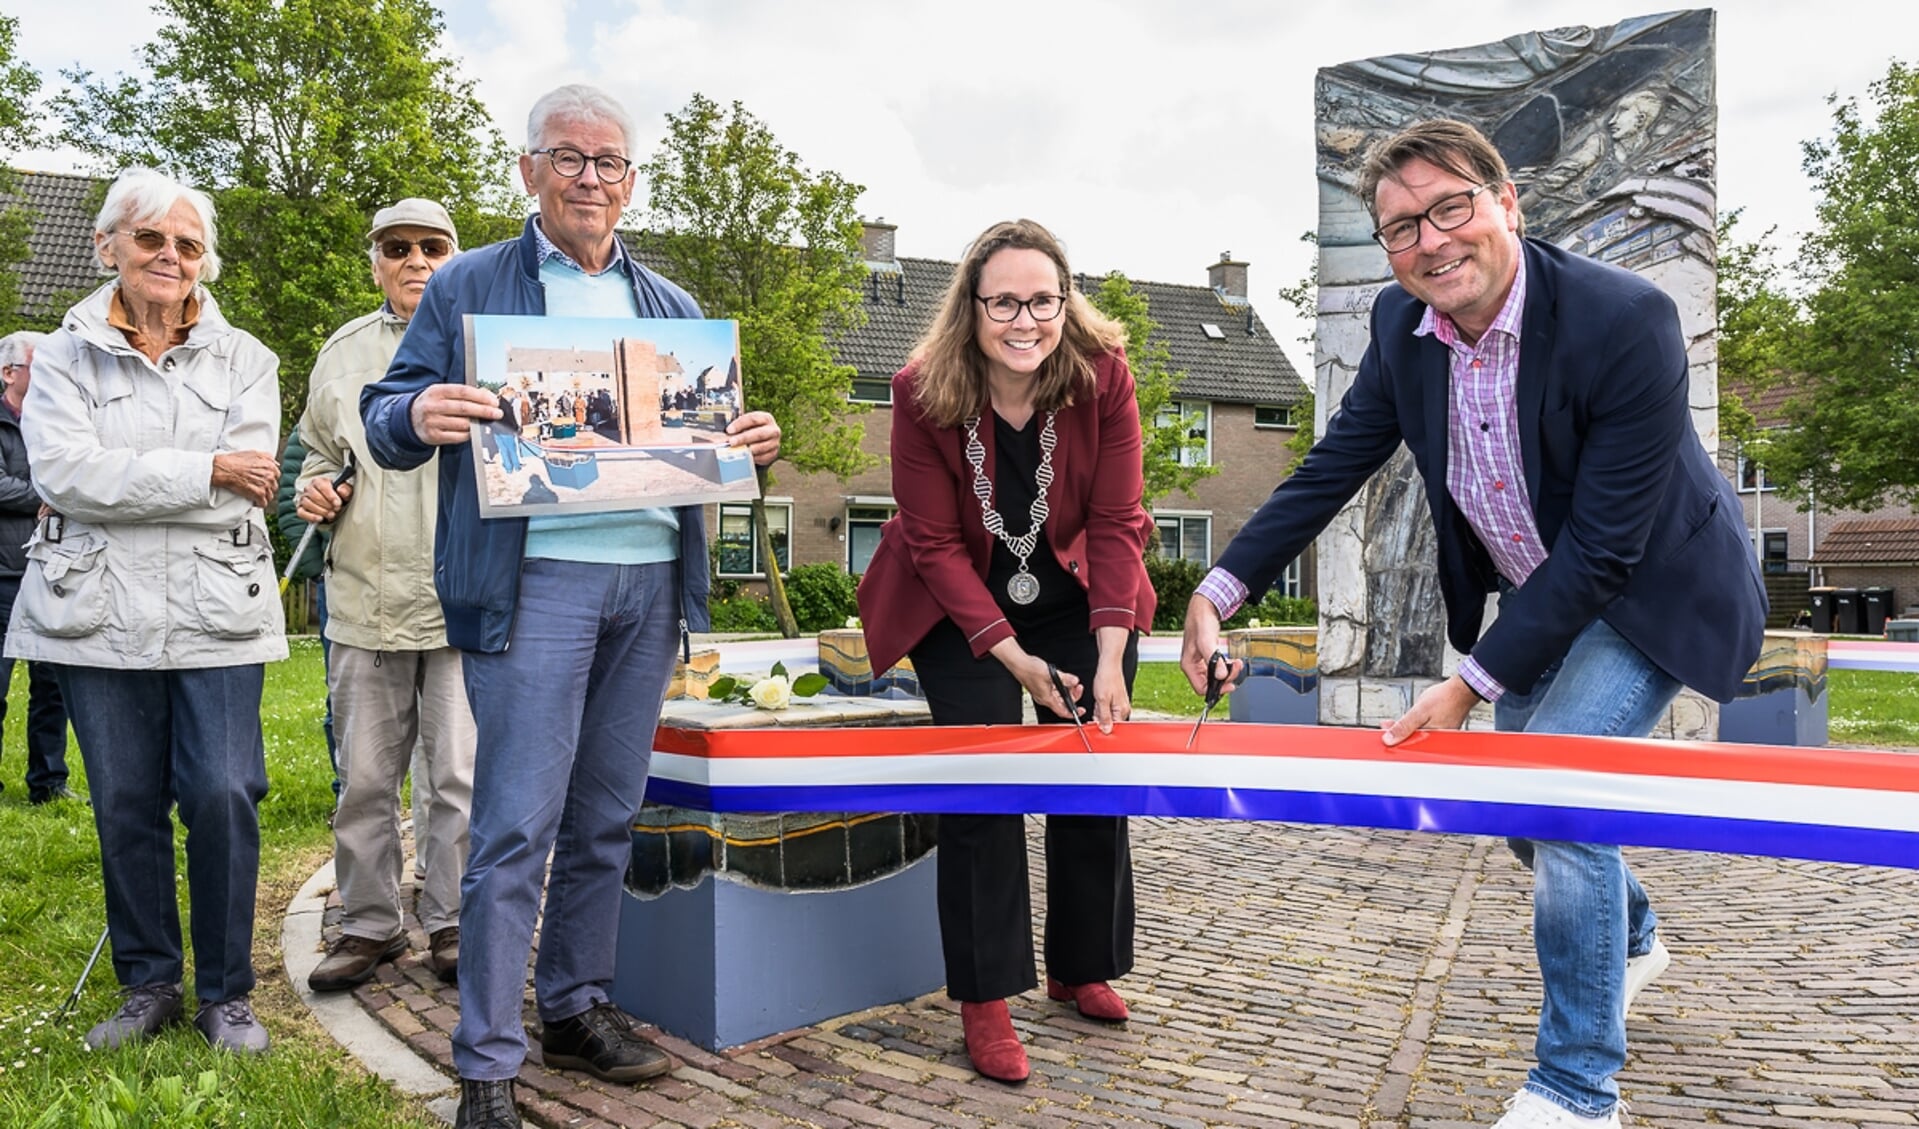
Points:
[(151, 425)]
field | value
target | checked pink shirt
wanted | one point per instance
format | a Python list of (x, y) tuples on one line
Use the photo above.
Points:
[(1484, 471)]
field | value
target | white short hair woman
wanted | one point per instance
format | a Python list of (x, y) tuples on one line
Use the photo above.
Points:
[(152, 426)]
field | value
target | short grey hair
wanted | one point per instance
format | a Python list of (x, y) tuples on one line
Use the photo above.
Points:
[(14, 347), (576, 102), (144, 194)]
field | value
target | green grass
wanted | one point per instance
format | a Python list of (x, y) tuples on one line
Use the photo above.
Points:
[(1163, 688), (51, 913), (1872, 707)]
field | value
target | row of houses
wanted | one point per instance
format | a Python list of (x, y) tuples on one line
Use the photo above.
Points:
[(1240, 396), (1815, 545)]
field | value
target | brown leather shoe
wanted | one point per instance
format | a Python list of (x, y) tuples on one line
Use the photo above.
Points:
[(443, 953), (352, 960)]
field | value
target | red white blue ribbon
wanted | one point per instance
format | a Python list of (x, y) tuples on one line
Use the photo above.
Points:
[(1837, 805)]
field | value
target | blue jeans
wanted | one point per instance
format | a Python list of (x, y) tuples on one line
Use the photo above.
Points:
[(1589, 912), (46, 713), (564, 719), (149, 739)]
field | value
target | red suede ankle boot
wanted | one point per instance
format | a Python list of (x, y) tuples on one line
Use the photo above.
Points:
[(991, 1042), (1095, 1001)]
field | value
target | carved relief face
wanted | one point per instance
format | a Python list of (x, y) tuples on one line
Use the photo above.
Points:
[(1464, 273)]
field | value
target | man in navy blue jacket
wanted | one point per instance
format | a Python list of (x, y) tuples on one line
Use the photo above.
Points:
[(1544, 399), (568, 624)]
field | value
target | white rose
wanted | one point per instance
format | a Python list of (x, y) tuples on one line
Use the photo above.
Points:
[(1252, 623), (852, 623), (773, 693)]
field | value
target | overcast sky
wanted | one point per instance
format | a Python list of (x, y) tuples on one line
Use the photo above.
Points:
[(1150, 135)]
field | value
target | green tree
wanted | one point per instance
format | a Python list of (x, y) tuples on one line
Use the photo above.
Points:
[(755, 236), (1303, 297), (302, 117), (1853, 439), (19, 82), (1164, 435), (1758, 323)]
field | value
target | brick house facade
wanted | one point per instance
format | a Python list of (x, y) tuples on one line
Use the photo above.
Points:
[(1795, 538), (1237, 384)]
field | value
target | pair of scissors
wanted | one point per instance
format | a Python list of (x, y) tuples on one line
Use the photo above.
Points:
[(1219, 669), (1066, 700)]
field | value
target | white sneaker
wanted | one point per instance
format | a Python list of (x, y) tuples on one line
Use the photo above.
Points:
[(1644, 969), (1527, 1110)]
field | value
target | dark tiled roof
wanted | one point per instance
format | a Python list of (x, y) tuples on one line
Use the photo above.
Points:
[(1767, 405), (1876, 541), (60, 246), (1242, 365)]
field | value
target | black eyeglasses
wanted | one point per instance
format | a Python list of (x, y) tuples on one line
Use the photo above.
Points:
[(148, 239), (433, 247), (1445, 215), (1005, 307), (609, 167)]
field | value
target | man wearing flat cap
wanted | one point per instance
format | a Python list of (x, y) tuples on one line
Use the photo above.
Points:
[(392, 678)]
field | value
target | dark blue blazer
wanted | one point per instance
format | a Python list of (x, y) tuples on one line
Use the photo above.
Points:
[(1641, 528)]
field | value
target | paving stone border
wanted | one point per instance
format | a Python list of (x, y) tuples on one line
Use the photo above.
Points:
[(1339, 978)]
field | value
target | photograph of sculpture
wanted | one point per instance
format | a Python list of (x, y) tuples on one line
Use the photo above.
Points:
[(606, 414)]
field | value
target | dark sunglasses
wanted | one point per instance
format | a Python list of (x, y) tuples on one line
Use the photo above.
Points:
[(148, 239), (433, 247)]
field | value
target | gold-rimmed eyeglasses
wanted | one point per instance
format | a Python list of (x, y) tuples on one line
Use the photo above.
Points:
[(147, 239)]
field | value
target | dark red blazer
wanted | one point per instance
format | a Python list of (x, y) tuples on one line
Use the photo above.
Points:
[(933, 556)]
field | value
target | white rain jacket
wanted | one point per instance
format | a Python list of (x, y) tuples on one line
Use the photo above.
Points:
[(147, 566)]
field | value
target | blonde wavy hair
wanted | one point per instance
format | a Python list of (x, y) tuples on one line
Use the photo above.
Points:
[(951, 385)]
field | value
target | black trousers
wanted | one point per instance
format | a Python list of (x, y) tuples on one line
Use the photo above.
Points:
[(985, 896), (46, 710)]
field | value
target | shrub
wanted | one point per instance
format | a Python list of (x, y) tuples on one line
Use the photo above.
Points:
[(1175, 580), (822, 596), (741, 611)]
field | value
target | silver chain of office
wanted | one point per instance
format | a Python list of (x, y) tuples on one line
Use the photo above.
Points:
[(1023, 587)]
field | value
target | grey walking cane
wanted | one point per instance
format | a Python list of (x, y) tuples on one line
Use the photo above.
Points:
[(293, 558), (74, 998)]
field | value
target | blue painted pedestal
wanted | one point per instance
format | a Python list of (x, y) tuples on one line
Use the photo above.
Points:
[(735, 926)]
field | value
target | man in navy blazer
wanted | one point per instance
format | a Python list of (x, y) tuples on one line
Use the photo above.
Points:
[(1544, 398)]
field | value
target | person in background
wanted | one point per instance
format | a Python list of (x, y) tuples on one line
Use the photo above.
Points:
[(1018, 551), (19, 506), (1544, 398), (152, 425), (568, 625), (293, 455), (394, 681)]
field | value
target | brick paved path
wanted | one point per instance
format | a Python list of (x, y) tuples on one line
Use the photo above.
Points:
[(1329, 977)]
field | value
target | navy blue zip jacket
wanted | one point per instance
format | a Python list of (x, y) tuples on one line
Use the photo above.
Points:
[(476, 562), (1644, 532)]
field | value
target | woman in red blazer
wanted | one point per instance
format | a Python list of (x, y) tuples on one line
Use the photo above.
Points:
[(1017, 551)]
